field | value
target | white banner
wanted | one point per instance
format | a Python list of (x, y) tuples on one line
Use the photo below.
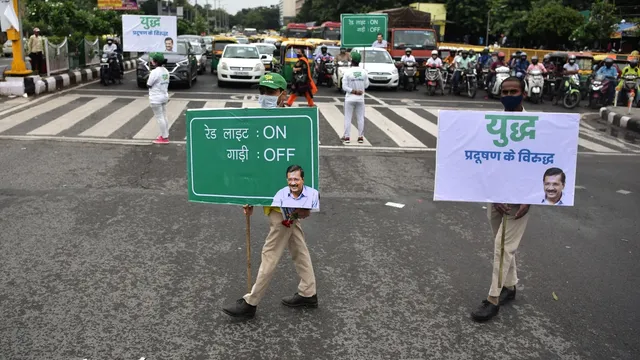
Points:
[(506, 157), (149, 33)]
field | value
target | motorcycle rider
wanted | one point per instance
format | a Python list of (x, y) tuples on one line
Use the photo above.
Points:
[(407, 56), (568, 69), (451, 58), (110, 47), (461, 64), (546, 61), (522, 65), (343, 56), (435, 60), (535, 65), (632, 69), (610, 74), (492, 70), (319, 67), (472, 56), (483, 60)]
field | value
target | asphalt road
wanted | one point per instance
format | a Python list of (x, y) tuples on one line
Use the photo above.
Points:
[(102, 257)]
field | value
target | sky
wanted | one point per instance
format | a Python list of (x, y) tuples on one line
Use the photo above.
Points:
[(233, 6)]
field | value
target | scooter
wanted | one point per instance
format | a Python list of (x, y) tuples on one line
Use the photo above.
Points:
[(339, 73), (433, 78), (325, 75), (409, 71), (535, 83), (110, 69), (630, 87), (502, 73), (598, 91)]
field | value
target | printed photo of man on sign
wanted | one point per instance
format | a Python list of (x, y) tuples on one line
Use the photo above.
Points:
[(554, 180), (296, 195), (149, 33)]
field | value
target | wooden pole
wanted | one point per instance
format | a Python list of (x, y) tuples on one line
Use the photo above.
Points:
[(248, 253), (504, 229)]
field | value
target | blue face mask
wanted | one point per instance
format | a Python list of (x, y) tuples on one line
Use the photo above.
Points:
[(268, 101), (510, 103)]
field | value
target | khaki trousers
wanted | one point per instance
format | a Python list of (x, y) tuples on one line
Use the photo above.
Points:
[(513, 235), (280, 237)]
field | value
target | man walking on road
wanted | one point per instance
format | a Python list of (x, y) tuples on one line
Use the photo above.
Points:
[(512, 94), (35, 48), (355, 81)]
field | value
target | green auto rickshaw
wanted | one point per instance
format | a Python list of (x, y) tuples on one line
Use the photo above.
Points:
[(288, 57), (219, 42)]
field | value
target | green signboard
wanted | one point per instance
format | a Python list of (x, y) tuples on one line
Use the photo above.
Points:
[(362, 29), (240, 156)]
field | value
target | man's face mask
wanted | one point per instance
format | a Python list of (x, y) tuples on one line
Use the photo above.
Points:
[(109, 42), (494, 58), (271, 101), (534, 62), (608, 65), (572, 62)]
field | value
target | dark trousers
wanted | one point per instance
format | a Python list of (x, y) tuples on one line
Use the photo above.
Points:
[(37, 59)]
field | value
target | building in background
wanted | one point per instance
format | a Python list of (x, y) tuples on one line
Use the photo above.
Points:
[(438, 15), (299, 4), (287, 11)]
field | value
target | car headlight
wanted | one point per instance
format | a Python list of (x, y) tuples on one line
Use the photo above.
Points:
[(224, 66), (394, 71), (184, 62), (258, 67)]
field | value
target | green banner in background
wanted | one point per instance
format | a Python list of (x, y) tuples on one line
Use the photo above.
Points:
[(362, 29), (240, 156)]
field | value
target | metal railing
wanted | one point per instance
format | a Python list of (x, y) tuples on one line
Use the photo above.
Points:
[(56, 56), (91, 52)]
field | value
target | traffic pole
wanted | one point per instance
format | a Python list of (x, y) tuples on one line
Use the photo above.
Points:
[(18, 67)]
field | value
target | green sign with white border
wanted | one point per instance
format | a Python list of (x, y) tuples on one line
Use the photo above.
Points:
[(358, 30)]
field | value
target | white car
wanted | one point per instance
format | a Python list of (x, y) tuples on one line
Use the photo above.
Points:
[(380, 66), (201, 57), (7, 48), (240, 63), (267, 49)]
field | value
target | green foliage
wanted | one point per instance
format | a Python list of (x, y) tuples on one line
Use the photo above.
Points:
[(469, 16), (552, 21), (599, 28), (261, 18)]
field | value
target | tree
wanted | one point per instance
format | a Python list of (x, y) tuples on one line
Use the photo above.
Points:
[(597, 30), (469, 17), (553, 22), (261, 18)]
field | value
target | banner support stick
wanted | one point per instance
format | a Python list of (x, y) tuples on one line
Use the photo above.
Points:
[(504, 229), (248, 217)]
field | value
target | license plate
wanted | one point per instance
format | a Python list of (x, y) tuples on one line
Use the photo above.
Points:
[(379, 78), (242, 73), (536, 90)]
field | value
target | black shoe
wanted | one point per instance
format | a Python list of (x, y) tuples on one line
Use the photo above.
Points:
[(507, 295), (240, 309), (299, 301), (485, 312)]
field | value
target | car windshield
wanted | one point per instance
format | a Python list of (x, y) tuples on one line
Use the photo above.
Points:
[(266, 49), (220, 45), (332, 34), (241, 52), (189, 38), (182, 48), (378, 57), (293, 54), (242, 40), (296, 33), (417, 39), (208, 40)]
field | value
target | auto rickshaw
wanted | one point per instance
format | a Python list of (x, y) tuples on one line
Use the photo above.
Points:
[(219, 42), (583, 59), (288, 57)]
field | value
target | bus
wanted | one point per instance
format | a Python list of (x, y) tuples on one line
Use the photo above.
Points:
[(329, 30), (250, 32), (296, 31)]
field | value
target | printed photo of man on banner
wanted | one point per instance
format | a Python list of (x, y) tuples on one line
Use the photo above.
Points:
[(149, 33)]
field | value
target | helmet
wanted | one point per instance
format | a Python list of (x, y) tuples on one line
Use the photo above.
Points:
[(486, 49), (523, 54), (407, 50), (633, 62), (572, 57), (495, 53), (534, 58), (608, 61), (323, 48), (471, 51), (500, 55), (547, 57), (434, 52), (465, 52)]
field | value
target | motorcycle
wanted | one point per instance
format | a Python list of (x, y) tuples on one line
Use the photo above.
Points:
[(339, 73), (110, 69), (325, 64), (598, 91), (502, 73), (549, 86), (630, 87), (468, 82), (572, 95), (409, 74), (535, 83), (433, 77)]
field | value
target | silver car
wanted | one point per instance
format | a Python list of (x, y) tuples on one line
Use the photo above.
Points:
[(201, 57), (7, 48)]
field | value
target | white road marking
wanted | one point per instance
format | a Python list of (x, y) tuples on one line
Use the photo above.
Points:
[(395, 205), (623, 192)]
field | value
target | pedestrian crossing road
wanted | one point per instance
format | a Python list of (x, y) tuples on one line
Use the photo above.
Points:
[(129, 120)]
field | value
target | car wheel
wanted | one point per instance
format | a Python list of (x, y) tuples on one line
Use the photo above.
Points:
[(221, 84)]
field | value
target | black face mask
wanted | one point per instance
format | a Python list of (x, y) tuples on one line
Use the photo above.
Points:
[(534, 62), (109, 42), (299, 56), (607, 65)]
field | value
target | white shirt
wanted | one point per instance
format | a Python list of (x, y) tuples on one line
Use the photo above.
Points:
[(569, 67), (407, 58), (158, 84), (110, 48), (383, 44), (437, 61), (355, 78)]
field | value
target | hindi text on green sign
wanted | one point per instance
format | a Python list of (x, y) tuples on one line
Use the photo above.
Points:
[(239, 156), (362, 29)]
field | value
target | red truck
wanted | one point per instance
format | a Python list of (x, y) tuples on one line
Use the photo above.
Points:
[(410, 28)]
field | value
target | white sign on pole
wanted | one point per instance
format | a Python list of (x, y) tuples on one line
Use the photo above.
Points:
[(149, 33), (8, 17), (506, 157)]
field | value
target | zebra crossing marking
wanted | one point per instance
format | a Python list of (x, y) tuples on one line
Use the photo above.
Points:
[(174, 111), (23, 116), (417, 120), (69, 119), (392, 130), (115, 121), (335, 118)]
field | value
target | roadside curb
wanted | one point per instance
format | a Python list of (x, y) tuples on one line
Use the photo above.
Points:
[(36, 85), (629, 122)]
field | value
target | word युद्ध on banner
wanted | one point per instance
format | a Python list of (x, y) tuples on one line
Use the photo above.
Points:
[(239, 156), (506, 157), (520, 127), (149, 33)]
